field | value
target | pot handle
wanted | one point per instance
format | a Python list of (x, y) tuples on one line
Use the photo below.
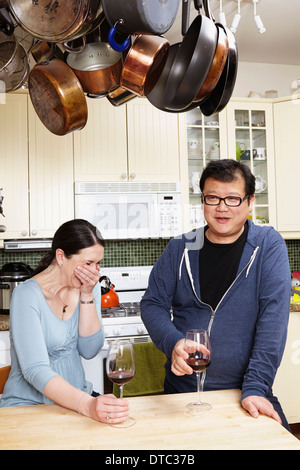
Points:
[(6, 23), (111, 39), (75, 49)]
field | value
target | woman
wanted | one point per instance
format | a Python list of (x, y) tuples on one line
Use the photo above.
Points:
[(55, 317)]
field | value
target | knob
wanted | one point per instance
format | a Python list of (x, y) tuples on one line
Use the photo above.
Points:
[(116, 332), (132, 175), (124, 176), (24, 233), (141, 330), (33, 232)]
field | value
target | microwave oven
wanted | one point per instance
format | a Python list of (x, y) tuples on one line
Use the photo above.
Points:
[(130, 210)]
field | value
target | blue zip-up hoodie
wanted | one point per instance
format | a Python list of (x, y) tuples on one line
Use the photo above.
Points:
[(248, 327)]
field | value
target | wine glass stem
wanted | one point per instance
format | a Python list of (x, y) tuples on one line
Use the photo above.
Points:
[(198, 386), (121, 391)]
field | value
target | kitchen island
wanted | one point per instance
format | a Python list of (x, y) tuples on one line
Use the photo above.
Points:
[(161, 424)]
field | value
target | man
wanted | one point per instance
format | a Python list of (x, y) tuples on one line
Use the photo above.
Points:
[(232, 278)]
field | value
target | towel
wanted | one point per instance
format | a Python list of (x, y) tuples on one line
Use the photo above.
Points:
[(150, 373)]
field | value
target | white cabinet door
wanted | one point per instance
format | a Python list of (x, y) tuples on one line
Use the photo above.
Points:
[(14, 166), (153, 143), (287, 381), (100, 148), (287, 157), (50, 178)]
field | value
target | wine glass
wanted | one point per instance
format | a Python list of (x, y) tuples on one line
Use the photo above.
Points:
[(120, 369), (197, 345)]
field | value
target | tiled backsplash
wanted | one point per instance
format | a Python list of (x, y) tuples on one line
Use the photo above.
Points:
[(134, 253), (117, 253)]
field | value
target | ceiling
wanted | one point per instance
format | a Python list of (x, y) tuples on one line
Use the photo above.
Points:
[(280, 44)]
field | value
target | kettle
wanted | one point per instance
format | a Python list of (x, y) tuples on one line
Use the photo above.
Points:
[(109, 298)]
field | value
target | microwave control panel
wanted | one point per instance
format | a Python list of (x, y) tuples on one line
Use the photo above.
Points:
[(170, 215)]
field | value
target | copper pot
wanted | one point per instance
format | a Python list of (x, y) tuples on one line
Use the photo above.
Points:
[(54, 21), (57, 97), (144, 63), (98, 67), (217, 65)]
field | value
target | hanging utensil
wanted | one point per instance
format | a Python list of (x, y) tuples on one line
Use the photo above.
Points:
[(191, 63), (54, 21), (98, 68), (144, 63), (141, 16), (57, 97), (222, 92)]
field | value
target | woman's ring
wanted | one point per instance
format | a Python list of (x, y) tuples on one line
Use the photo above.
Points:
[(107, 416), (88, 280)]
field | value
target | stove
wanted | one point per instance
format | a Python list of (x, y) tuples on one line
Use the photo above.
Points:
[(123, 321)]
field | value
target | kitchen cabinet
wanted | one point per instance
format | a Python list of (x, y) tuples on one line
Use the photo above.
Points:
[(244, 125), (36, 172), (203, 139), (132, 142), (250, 139), (51, 200), (287, 157), (287, 381), (14, 165)]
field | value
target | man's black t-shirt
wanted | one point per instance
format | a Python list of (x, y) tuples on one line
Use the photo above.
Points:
[(218, 267)]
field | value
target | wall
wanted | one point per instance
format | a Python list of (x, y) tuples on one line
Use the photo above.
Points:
[(259, 77)]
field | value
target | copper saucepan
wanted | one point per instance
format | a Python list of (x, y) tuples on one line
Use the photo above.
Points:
[(217, 65), (57, 97), (144, 63), (98, 67)]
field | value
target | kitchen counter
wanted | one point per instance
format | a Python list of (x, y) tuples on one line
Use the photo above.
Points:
[(161, 423)]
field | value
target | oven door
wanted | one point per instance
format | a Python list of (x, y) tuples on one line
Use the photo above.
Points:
[(120, 216), (95, 368)]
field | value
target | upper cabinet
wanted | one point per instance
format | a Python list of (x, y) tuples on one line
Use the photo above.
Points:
[(287, 155), (242, 131), (250, 139), (36, 172), (132, 142), (14, 166)]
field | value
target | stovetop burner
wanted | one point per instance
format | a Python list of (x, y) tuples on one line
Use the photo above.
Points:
[(126, 309)]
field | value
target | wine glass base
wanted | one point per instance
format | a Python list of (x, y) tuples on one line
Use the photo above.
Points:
[(125, 424), (197, 408)]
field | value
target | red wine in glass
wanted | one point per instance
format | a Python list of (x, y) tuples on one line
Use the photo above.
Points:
[(120, 369), (121, 377), (197, 345), (198, 365)]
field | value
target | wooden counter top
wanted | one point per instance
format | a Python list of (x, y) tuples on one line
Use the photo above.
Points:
[(161, 423)]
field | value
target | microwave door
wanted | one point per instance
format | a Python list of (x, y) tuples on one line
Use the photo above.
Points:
[(120, 216)]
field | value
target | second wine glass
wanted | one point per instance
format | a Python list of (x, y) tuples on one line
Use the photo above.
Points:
[(197, 345), (120, 369)]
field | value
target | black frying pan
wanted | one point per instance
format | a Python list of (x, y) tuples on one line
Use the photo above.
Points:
[(191, 64), (222, 92), (141, 16), (160, 95)]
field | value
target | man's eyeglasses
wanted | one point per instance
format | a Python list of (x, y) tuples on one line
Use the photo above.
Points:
[(230, 201)]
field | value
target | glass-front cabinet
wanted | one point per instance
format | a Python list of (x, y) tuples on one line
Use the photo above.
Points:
[(250, 140), (243, 131), (206, 140)]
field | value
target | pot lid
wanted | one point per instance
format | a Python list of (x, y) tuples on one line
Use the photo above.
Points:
[(16, 270)]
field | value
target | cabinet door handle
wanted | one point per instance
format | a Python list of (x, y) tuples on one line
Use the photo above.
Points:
[(33, 232), (24, 233), (124, 176), (132, 175)]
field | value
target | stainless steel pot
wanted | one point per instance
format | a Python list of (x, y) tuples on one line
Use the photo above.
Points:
[(11, 275)]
